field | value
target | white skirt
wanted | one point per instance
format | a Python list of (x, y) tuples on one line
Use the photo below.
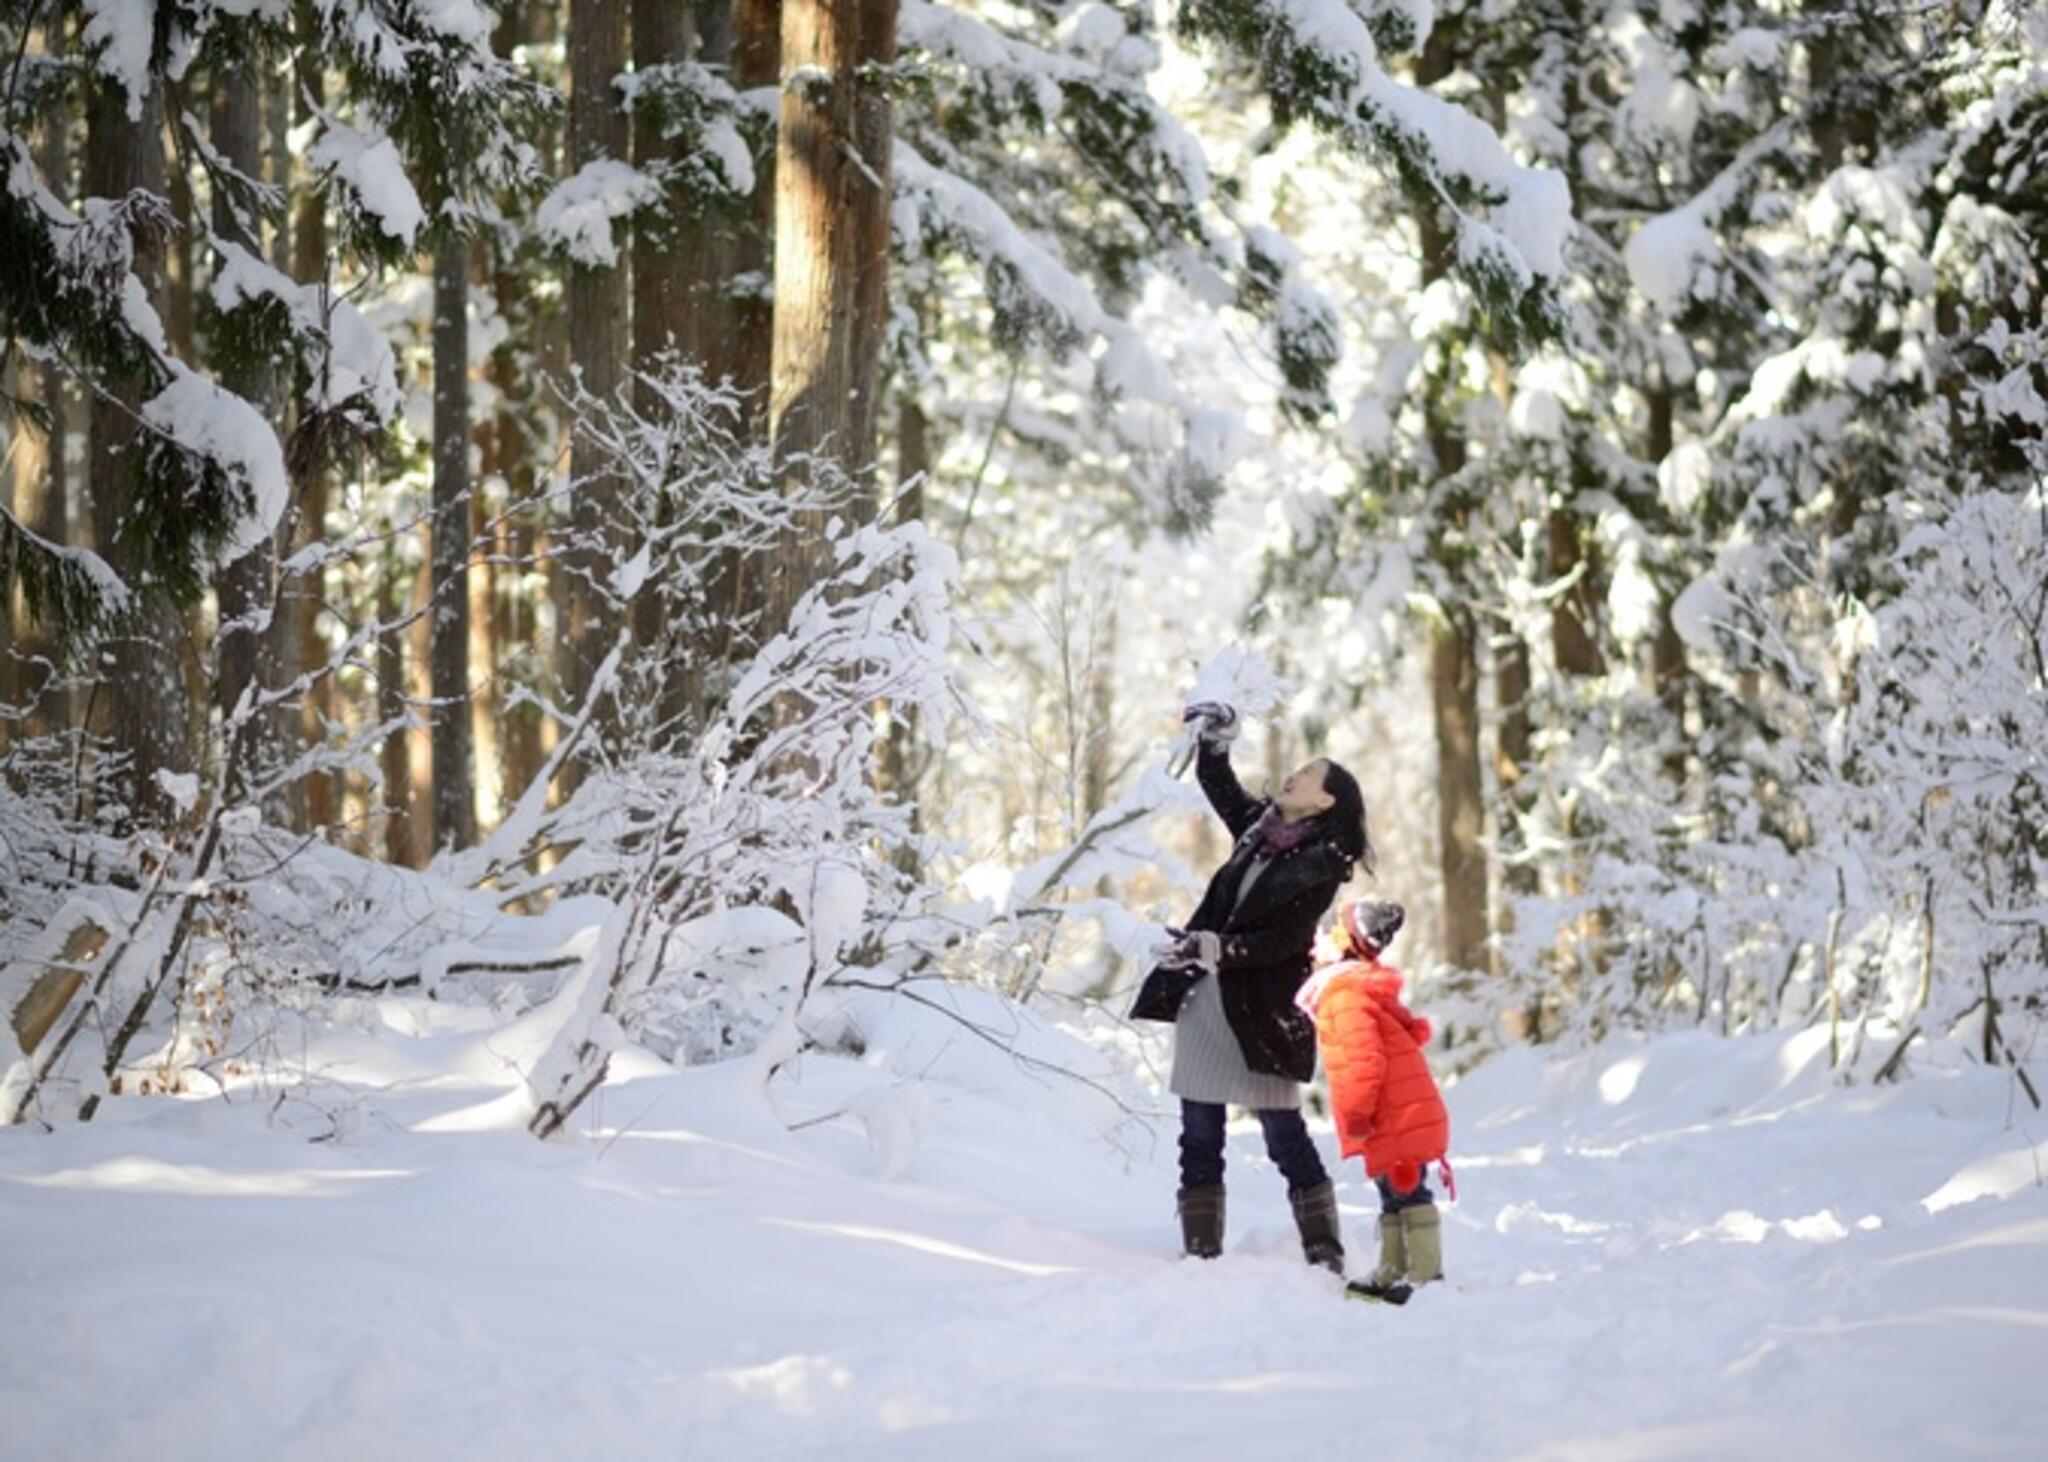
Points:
[(1208, 1064)]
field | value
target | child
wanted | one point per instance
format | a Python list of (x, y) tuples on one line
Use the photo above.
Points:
[(1386, 1103)]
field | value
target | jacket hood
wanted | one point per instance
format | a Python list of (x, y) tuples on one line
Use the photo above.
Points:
[(1381, 982)]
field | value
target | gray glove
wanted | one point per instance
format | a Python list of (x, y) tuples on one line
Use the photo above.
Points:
[(1202, 949), (1215, 724)]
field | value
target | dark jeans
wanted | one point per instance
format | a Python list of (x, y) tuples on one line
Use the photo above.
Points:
[(1393, 1202), (1287, 1142)]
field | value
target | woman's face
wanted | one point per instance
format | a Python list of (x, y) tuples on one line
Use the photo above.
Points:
[(1303, 794)]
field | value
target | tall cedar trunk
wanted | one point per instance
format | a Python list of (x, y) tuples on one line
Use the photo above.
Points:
[(1574, 612), (1454, 646), (731, 321), (149, 711), (1667, 651), (661, 279), (514, 661), (29, 667), (392, 761), (1515, 741), (831, 209), (869, 235), (515, 627), (1461, 816), (750, 361), (285, 636), (320, 707), (178, 299), (896, 757), (597, 304), (244, 589), (714, 250), (454, 772)]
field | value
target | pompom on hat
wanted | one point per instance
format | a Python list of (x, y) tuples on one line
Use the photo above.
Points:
[(1372, 926)]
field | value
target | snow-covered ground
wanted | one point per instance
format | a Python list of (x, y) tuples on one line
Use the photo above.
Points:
[(1689, 1247)]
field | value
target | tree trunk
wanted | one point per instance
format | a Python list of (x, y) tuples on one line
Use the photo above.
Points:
[(1454, 643), (392, 760), (245, 588), (1514, 762), (320, 707), (149, 712), (1461, 811), (661, 279), (897, 766), (1667, 651), (831, 208), (1574, 612), (597, 304), (749, 355), (454, 772), (30, 669), (661, 272)]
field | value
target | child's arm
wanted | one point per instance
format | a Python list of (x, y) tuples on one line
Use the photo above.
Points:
[(1354, 1058)]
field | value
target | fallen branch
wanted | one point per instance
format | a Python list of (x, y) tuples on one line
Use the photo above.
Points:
[(1890, 1067)]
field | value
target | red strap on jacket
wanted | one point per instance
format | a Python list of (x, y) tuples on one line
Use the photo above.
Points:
[(1443, 1167)]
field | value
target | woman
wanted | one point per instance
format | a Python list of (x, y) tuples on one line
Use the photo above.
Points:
[(1228, 982)]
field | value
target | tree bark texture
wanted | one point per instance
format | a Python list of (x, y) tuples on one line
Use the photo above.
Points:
[(149, 711), (831, 256), (454, 769), (1461, 812), (598, 301), (244, 589)]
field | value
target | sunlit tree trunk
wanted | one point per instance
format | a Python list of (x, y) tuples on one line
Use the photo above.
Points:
[(831, 221)]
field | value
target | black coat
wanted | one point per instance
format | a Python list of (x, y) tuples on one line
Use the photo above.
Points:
[(1266, 939)]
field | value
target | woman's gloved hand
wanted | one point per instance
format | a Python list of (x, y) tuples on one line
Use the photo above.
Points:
[(1202, 949), (1215, 724)]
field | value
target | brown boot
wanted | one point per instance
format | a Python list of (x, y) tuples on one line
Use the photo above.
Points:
[(1201, 1221), (1315, 1214)]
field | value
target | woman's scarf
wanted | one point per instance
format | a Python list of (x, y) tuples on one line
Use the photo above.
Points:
[(1277, 835)]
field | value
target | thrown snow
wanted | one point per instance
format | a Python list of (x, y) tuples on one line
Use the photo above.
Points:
[(931, 1250)]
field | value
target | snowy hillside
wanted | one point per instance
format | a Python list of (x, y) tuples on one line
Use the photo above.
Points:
[(1690, 1247)]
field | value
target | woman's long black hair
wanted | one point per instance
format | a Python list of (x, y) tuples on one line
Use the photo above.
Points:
[(1345, 819)]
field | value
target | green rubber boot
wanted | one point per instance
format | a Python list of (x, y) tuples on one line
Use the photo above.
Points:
[(1388, 1283), (1422, 1229)]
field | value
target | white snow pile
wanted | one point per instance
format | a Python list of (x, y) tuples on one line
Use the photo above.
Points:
[(909, 1242), (197, 415), (577, 216), (373, 176)]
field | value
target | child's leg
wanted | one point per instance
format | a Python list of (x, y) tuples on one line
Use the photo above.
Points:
[(1201, 1144), (1392, 1201)]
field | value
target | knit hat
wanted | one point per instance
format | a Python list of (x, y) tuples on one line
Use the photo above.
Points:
[(1372, 926)]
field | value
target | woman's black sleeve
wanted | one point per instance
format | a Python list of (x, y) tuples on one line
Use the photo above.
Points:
[(1237, 807)]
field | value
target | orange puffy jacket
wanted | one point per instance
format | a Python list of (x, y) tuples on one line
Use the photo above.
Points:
[(1386, 1103)]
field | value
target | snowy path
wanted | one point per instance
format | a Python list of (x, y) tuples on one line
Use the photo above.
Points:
[(1701, 1249)]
